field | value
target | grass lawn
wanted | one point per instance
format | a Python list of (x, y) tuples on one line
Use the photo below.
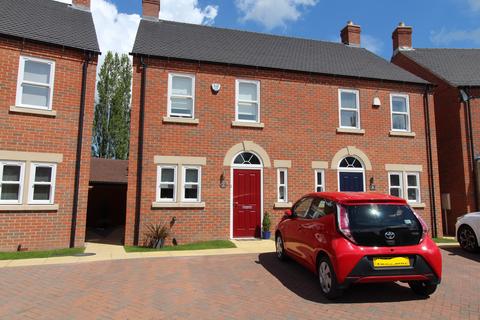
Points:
[(40, 254), (445, 240), (216, 244)]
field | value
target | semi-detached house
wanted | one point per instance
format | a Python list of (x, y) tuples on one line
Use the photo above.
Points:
[(48, 58), (227, 125)]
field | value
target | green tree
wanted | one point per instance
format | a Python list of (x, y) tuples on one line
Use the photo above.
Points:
[(111, 125)]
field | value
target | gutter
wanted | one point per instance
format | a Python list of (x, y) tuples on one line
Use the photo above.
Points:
[(138, 198), (88, 57), (431, 181)]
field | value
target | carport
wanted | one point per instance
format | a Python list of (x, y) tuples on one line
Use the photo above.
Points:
[(107, 196)]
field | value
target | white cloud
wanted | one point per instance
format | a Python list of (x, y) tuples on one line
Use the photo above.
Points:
[(445, 37), (273, 13), (371, 43), (474, 5), (187, 11)]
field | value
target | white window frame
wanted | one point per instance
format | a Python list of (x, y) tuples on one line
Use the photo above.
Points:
[(198, 184), (400, 179), (417, 174), (322, 183), (170, 95), (407, 101), (52, 183), (237, 100), (159, 182), (20, 81), (285, 184), (21, 182), (340, 108)]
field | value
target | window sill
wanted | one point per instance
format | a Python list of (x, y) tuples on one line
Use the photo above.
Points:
[(180, 120), (182, 205), (32, 111), (417, 205), (242, 124), (351, 131), (282, 205), (402, 134), (29, 207)]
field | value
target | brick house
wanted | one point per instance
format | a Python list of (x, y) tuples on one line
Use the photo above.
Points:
[(227, 125), (48, 58), (457, 119)]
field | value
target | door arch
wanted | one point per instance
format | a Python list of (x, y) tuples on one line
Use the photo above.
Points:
[(351, 174), (246, 195)]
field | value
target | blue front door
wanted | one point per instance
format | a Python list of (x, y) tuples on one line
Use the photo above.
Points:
[(351, 181)]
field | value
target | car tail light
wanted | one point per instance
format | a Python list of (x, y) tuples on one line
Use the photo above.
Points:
[(424, 226), (344, 224)]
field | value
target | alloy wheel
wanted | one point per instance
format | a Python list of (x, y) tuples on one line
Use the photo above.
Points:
[(279, 245), (467, 239), (325, 277)]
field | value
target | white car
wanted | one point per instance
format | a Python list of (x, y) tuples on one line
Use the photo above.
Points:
[(468, 231)]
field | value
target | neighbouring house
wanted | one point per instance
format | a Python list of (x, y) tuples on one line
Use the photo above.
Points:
[(107, 197), (456, 75), (48, 59), (227, 125)]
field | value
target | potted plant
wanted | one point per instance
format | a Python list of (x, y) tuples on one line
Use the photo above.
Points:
[(155, 235), (266, 226)]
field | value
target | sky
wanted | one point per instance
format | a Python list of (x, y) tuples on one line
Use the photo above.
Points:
[(436, 23)]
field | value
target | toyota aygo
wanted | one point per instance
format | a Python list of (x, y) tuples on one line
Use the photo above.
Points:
[(348, 238)]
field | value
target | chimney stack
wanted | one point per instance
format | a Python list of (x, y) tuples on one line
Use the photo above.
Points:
[(351, 34), (81, 4), (151, 9), (402, 38)]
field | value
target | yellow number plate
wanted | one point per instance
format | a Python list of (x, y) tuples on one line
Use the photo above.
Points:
[(391, 262)]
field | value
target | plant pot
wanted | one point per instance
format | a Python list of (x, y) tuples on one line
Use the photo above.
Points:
[(266, 234)]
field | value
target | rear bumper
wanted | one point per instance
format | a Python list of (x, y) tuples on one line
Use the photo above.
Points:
[(365, 272)]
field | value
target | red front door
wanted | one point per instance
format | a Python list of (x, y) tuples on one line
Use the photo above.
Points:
[(246, 203)]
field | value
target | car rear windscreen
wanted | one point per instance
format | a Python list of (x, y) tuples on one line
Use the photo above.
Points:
[(384, 225)]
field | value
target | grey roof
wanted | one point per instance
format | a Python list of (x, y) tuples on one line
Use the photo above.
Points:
[(459, 67), (48, 21), (203, 43)]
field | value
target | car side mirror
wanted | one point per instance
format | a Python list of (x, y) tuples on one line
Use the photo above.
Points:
[(288, 213)]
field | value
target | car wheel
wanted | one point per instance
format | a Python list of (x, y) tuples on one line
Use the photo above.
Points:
[(422, 288), (328, 279), (467, 239), (280, 248)]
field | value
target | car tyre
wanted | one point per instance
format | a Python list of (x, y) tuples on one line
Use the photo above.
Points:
[(280, 249), (423, 288), (328, 279), (467, 239)]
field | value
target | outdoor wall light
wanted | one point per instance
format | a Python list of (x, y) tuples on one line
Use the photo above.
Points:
[(223, 181), (372, 184), (376, 102)]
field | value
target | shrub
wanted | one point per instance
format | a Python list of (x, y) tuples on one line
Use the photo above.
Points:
[(155, 235), (266, 222)]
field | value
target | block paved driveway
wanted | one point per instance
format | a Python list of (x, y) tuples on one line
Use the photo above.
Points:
[(223, 287)]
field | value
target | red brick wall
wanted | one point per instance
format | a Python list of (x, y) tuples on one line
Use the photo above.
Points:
[(300, 113), (456, 176), (32, 133)]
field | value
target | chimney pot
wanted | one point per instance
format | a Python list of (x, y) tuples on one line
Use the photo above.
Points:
[(402, 37), (151, 9), (81, 4), (350, 35)]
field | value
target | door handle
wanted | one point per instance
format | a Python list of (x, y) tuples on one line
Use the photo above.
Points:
[(235, 204)]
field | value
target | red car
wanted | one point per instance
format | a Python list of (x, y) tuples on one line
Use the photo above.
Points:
[(348, 238)]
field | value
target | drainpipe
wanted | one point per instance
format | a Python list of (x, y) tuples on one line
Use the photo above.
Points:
[(78, 160), (471, 147), (138, 198), (431, 180)]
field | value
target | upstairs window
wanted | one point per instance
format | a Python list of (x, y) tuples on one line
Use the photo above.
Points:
[(181, 96), (35, 83), (248, 101), (42, 184), (11, 182), (349, 109), (400, 112)]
